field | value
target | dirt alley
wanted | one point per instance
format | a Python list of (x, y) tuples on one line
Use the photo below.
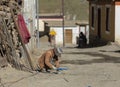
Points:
[(87, 67)]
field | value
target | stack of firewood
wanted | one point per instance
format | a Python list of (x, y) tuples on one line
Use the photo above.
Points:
[(10, 43)]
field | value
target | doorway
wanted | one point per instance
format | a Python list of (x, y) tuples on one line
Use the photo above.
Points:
[(99, 23), (68, 36)]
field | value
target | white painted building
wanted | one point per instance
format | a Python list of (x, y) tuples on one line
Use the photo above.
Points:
[(72, 28), (71, 31), (104, 21), (117, 21), (59, 37)]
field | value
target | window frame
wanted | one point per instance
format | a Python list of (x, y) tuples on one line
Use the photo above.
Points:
[(92, 17), (107, 18)]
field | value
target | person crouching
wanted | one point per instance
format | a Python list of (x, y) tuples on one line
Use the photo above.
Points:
[(50, 59)]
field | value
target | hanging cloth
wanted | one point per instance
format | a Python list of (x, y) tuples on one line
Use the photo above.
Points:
[(25, 35)]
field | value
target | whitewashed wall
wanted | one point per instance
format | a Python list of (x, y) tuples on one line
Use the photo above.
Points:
[(29, 13), (75, 33), (117, 23), (87, 33), (59, 35), (41, 25)]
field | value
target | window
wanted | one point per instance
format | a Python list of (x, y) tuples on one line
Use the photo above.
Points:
[(107, 19), (92, 16)]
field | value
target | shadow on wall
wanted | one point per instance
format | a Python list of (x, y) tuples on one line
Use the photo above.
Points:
[(45, 32), (96, 42)]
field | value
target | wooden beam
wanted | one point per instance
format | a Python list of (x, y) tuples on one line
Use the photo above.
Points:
[(24, 47)]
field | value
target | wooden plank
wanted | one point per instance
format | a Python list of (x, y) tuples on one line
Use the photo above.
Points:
[(24, 47)]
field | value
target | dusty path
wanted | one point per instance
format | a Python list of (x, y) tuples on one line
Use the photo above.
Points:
[(94, 67)]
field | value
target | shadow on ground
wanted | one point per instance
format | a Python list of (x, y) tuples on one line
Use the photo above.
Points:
[(103, 58), (87, 46), (116, 51)]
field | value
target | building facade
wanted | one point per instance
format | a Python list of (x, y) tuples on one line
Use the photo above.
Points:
[(65, 34), (71, 31), (104, 20)]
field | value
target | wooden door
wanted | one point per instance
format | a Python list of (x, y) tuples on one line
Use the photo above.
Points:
[(68, 36)]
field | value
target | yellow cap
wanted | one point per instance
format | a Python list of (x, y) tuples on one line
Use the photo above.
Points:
[(52, 32)]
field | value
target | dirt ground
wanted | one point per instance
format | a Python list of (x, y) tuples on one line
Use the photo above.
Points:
[(87, 67)]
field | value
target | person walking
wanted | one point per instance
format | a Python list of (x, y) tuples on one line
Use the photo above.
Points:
[(52, 35)]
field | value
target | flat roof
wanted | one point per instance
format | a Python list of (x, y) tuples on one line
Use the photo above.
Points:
[(66, 23)]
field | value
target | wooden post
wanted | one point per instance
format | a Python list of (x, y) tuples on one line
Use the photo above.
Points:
[(25, 49)]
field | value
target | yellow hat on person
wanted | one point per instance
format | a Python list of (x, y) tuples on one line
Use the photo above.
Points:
[(52, 32)]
